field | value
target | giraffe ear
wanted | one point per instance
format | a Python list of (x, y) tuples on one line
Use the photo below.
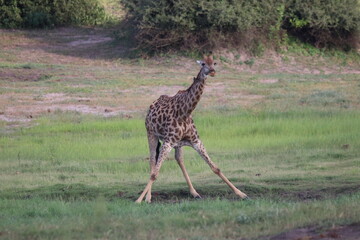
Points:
[(200, 62)]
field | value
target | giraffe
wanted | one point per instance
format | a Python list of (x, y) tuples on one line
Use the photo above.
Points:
[(169, 120)]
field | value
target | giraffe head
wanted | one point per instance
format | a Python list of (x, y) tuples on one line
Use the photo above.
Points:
[(207, 66)]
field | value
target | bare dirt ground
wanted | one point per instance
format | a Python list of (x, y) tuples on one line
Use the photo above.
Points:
[(44, 71), (30, 58), (348, 232)]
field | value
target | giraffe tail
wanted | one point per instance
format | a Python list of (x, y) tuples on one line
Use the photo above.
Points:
[(158, 151)]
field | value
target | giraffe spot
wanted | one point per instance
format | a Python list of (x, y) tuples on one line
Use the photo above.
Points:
[(216, 170)]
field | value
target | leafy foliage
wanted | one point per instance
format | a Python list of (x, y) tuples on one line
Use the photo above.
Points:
[(49, 13), (9, 14), (167, 24), (173, 24), (324, 23)]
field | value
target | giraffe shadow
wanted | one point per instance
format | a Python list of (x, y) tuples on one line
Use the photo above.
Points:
[(173, 193), (76, 191)]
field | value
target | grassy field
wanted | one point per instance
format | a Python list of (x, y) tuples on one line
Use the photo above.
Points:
[(74, 154), (73, 175)]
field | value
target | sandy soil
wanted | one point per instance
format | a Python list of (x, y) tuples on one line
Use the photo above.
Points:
[(94, 47)]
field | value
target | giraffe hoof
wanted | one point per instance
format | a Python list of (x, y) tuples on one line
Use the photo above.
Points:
[(196, 195), (246, 198)]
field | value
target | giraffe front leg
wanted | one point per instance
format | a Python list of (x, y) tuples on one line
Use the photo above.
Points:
[(180, 161), (142, 195), (148, 195), (164, 151), (199, 147)]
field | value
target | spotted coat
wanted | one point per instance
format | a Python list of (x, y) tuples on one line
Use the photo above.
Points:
[(169, 120)]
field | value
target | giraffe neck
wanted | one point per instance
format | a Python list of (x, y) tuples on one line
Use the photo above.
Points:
[(192, 96)]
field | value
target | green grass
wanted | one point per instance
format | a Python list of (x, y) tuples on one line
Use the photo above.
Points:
[(68, 137), (289, 139), (73, 175), (295, 46), (208, 219)]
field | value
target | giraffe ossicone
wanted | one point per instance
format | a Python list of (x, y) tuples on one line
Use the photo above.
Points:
[(169, 121)]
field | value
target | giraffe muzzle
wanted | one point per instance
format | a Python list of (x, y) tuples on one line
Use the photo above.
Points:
[(212, 73)]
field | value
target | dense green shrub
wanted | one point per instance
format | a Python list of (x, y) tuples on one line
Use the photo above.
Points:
[(166, 24), (203, 23), (49, 13), (324, 22), (78, 12), (9, 14)]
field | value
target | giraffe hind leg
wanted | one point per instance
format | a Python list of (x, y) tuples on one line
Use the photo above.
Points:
[(199, 147), (148, 194), (153, 142), (164, 151)]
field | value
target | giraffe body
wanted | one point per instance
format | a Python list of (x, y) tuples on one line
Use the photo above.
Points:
[(169, 120)]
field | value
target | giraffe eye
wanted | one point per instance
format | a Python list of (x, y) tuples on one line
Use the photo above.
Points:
[(215, 63), (203, 64)]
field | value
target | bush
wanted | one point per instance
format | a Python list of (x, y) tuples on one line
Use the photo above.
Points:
[(49, 13), (173, 24), (165, 24), (324, 23), (78, 12), (9, 14)]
